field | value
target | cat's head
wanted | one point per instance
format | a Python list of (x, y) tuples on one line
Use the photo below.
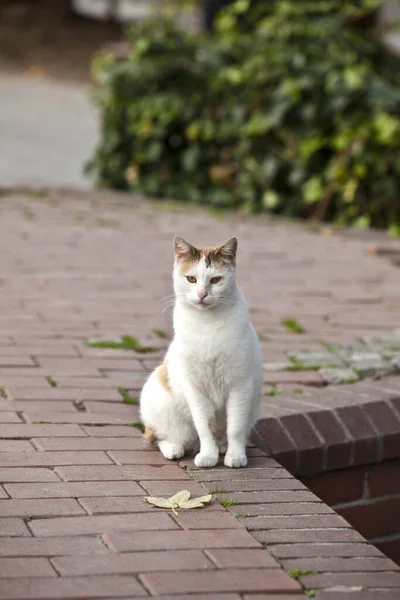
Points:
[(204, 277)]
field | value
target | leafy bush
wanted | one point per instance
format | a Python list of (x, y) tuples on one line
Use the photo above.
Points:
[(290, 107)]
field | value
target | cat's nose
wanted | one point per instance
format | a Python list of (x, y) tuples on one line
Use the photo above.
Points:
[(203, 294)]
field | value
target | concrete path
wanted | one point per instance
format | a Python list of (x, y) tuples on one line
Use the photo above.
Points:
[(47, 132), (73, 466)]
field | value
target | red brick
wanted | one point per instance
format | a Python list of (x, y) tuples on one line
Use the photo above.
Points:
[(16, 446), (25, 567), (337, 486), (71, 588), (283, 508), (9, 417), (300, 377), (82, 418), (22, 431), (113, 431), (338, 446), (100, 524), (63, 546), (212, 597), (309, 446), (207, 520), (385, 420), (296, 522), (366, 449), (111, 408), (79, 371), (384, 478), (36, 508), (337, 564), (13, 528), (276, 479), (116, 473), (16, 361), (363, 580), (62, 489), (56, 394), (249, 580), (217, 476), (182, 540), (241, 558), (137, 457), (270, 435), (374, 519), (298, 536), (137, 562), (39, 405), (343, 550), (114, 505), (364, 595), (274, 597), (72, 383), (270, 497), (98, 443), (21, 474), (44, 459)]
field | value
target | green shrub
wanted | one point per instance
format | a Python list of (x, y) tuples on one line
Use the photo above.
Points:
[(291, 109)]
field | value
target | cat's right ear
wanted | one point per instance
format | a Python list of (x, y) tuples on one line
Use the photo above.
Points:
[(182, 249)]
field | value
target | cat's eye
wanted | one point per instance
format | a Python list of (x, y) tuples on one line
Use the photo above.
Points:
[(191, 279), (216, 279)]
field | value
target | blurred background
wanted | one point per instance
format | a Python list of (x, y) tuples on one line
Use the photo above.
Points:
[(288, 107)]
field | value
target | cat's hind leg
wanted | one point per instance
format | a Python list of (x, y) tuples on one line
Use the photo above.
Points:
[(166, 422)]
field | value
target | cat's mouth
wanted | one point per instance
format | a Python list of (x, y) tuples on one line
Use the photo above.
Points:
[(202, 305)]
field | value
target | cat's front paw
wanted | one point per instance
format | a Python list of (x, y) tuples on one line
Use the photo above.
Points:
[(206, 459), (235, 461)]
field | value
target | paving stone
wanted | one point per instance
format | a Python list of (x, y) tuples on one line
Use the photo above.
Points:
[(36, 508), (100, 524), (13, 528), (338, 376), (40, 459), (27, 431), (19, 568), (71, 588), (75, 490), (117, 473), (371, 368), (218, 581), (250, 558), (137, 562), (63, 546), (24, 475), (315, 359), (180, 540)]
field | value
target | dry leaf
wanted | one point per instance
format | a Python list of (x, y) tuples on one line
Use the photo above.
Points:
[(180, 500)]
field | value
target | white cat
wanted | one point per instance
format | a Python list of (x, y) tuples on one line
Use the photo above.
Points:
[(208, 388)]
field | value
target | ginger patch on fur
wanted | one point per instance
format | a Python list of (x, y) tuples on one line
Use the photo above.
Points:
[(162, 375), (149, 434), (212, 426)]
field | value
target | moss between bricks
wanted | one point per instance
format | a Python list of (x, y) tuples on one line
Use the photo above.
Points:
[(127, 342)]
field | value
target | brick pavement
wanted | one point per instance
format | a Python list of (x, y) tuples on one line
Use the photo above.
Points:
[(73, 473)]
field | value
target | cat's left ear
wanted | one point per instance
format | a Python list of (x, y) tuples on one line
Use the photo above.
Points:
[(183, 249), (229, 250)]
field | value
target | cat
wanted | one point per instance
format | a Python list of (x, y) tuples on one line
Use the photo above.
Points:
[(205, 396)]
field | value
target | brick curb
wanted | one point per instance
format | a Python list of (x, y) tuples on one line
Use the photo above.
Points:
[(334, 427)]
